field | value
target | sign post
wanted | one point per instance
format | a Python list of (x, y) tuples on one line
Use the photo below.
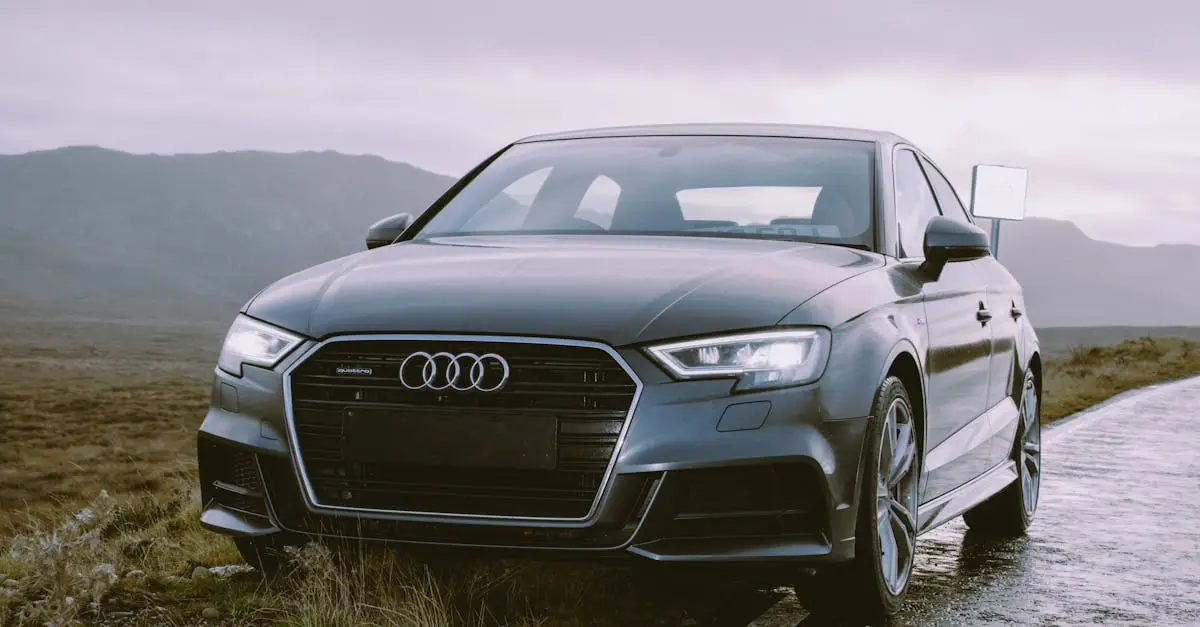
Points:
[(996, 238), (998, 193)]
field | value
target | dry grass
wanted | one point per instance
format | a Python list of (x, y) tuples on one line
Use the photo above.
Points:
[(145, 561), (1090, 375), (89, 409)]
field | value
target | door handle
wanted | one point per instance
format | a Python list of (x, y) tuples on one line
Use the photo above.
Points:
[(1016, 312), (983, 316)]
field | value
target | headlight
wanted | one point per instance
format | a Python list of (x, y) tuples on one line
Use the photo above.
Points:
[(759, 360), (256, 343)]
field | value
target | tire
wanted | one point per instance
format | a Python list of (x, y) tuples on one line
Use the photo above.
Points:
[(872, 586), (1010, 512), (264, 553)]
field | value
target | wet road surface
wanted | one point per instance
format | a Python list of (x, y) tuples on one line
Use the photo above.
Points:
[(1116, 539)]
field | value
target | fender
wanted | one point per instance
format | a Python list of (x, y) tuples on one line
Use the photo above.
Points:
[(879, 317), (869, 314), (878, 340)]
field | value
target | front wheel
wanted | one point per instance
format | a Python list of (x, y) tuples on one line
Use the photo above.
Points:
[(266, 553), (1011, 510), (872, 586)]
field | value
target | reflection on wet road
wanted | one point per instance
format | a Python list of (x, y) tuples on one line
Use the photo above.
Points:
[(1116, 540)]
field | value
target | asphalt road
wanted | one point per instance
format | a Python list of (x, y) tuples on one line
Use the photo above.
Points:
[(1116, 540)]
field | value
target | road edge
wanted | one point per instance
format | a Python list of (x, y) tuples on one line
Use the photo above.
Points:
[(787, 612), (1074, 421)]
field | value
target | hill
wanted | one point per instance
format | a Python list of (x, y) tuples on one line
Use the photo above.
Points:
[(91, 232), (1073, 280)]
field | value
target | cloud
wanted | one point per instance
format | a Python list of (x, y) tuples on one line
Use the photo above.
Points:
[(1100, 109), (808, 38)]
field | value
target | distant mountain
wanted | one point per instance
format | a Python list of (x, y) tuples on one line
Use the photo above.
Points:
[(95, 232), (1073, 280), (89, 229)]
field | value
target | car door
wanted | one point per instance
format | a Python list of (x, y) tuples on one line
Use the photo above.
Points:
[(1004, 303), (960, 342)]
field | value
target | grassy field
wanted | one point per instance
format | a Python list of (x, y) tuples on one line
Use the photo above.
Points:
[(1058, 342), (98, 502)]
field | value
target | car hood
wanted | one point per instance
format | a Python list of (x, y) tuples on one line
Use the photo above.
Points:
[(614, 289)]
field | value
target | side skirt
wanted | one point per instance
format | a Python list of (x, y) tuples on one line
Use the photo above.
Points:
[(950, 505), (979, 432)]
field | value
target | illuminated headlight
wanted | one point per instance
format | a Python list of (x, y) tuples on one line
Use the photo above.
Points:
[(758, 360), (256, 343)]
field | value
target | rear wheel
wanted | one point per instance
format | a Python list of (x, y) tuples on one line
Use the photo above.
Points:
[(872, 586), (1011, 510)]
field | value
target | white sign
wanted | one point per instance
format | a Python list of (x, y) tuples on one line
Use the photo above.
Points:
[(998, 192)]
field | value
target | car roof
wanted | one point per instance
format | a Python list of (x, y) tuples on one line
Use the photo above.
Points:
[(727, 128)]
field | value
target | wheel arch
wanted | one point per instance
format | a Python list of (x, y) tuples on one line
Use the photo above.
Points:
[(1033, 363), (904, 364), (1035, 366), (1028, 357)]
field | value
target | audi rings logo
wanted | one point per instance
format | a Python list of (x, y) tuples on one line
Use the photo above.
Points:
[(461, 372)]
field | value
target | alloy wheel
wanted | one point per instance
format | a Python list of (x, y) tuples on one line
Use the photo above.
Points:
[(896, 496), (1029, 455)]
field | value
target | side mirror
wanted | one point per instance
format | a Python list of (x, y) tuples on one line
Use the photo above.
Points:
[(386, 231), (949, 240)]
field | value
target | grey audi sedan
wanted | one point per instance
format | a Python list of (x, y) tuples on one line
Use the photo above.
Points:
[(780, 347)]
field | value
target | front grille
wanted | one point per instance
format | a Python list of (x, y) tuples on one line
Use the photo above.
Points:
[(563, 407)]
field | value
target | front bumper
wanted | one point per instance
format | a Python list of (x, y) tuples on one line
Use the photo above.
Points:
[(701, 476)]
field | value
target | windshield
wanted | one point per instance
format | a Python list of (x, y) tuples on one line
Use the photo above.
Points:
[(817, 190)]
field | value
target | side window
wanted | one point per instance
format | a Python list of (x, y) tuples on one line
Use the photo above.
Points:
[(951, 206), (915, 205), (599, 201)]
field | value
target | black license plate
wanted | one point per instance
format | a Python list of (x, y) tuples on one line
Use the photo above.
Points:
[(453, 439)]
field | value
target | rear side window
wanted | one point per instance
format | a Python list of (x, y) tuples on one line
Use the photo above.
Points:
[(947, 199)]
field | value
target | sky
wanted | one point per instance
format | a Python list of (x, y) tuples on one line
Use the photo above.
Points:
[(1099, 100)]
